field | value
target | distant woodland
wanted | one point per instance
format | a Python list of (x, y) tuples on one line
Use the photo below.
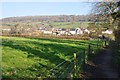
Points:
[(56, 18)]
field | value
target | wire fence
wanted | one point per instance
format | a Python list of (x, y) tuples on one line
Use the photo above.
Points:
[(73, 68)]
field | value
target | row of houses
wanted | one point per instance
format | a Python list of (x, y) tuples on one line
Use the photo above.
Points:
[(70, 31), (58, 31)]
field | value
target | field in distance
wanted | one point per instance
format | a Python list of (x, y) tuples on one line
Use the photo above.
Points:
[(26, 25)]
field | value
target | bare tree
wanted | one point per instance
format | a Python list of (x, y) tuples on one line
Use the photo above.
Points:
[(104, 11), (109, 12)]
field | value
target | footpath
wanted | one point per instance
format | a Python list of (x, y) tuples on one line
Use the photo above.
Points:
[(101, 65)]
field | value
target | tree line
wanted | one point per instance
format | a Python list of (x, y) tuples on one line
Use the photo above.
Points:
[(58, 18)]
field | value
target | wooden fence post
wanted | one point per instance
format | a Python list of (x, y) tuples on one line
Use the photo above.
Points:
[(89, 47), (105, 43), (74, 64), (85, 57)]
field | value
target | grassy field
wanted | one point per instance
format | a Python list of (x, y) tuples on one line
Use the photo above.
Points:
[(69, 24), (37, 57), (53, 24)]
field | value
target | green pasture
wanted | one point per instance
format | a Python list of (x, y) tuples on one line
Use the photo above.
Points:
[(65, 24), (53, 24), (69, 24), (36, 57)]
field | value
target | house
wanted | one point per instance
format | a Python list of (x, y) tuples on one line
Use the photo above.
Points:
[(107, 32)]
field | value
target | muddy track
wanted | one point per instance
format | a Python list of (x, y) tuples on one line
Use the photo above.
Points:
[(101, 66)]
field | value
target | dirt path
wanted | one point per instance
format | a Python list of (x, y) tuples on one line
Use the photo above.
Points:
[(101, 66)]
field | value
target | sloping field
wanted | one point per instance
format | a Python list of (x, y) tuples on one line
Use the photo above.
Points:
[(69, 24), (40, 57)]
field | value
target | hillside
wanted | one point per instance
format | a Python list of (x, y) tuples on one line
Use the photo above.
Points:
[(55, 18)]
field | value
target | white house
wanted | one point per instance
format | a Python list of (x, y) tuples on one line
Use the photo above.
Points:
[(107, 32)]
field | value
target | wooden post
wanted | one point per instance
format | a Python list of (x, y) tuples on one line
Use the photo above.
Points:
[(89, 47), (105, 43), (75, 50), (85, 56), (74, 64)]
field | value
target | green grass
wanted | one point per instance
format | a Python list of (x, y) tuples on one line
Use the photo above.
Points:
[(35, 57), (69, 24), (54, 24)]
